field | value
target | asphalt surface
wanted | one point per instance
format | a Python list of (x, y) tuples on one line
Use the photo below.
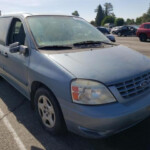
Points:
[(20, 129), (134, 43)]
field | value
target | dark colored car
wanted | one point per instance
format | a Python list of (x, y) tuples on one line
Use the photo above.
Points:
[(144, 32), (126, 30), (115, 29), (106, 32)]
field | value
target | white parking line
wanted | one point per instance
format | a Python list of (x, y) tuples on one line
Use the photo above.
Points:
[(18, 141)]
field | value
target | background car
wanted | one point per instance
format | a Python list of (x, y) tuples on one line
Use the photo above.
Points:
[(144, 32), (107, 33), (115, 29), (126, 30)]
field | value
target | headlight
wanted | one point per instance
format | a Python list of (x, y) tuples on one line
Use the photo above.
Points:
[(90, 92)]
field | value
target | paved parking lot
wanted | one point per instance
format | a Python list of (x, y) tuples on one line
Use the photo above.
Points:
[(134, 43), (19, 128)]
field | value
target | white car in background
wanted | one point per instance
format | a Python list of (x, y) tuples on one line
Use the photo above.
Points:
[(114, 29)]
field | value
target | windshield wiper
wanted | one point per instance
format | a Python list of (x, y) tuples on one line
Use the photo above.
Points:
[(108, 43), (83, 43), (92, 42), (56, 47)]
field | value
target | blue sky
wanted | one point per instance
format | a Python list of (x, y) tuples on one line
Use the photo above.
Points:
[(122, 8)]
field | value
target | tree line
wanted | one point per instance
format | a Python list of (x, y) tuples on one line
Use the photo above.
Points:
[(106, 15)]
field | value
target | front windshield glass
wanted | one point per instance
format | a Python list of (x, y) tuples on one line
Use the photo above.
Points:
[(62, 30)]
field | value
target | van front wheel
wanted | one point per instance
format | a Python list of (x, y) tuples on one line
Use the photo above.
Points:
[(48, 111)]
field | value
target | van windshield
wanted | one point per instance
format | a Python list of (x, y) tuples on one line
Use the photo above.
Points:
[(62, 31)]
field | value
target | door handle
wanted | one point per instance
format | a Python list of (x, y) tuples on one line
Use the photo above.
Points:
[(5, 54)]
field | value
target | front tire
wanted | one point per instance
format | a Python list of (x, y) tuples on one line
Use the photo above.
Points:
[(143, 38), (49, 112)]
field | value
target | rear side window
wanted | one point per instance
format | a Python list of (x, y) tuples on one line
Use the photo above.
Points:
[(147, 26), (124, 28), (4, 25)]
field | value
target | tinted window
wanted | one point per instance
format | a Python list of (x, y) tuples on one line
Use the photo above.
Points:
[(4, 25), (124, 28), (16, 32), (147, 26)]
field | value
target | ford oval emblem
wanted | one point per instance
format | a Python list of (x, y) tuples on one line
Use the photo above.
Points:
[(144, 84)]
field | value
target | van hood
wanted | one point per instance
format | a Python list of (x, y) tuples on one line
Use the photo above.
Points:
[(107, 65)]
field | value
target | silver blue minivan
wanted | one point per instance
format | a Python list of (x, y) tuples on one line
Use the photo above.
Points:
[(75, 78)]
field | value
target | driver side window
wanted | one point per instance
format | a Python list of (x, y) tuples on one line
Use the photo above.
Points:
[(16, 32)]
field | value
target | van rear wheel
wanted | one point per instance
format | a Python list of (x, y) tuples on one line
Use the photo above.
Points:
[(48, 112)]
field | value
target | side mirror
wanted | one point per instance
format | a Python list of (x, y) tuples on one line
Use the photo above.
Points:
[(15, 47), (14, 44), (23, 49)]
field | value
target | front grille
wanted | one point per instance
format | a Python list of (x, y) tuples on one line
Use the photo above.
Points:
[(134, 86)]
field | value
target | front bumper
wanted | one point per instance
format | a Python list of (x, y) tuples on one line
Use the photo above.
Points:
[(105, 120)]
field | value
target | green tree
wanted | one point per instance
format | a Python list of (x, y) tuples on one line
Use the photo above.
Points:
[(99, 15), (119, 21), (108, 19), (130, 21), (146, 18), (112, 14), (108, 8), (139, 20), (75, 13), (93, 23)]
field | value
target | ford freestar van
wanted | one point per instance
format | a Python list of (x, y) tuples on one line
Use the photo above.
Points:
[(75, 78)]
